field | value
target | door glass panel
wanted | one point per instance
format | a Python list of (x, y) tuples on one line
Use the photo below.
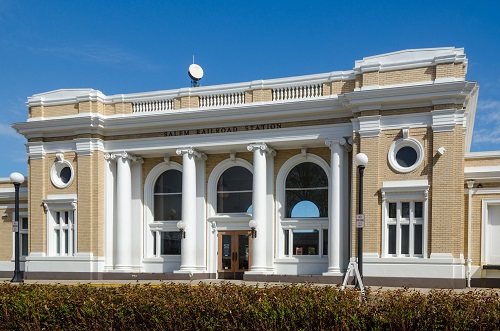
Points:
[(226, 252), (392, 239), (243, 252), (417, 249)]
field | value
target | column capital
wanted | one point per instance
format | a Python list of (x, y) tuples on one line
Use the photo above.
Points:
[(470, 184), (346, 143), (123, 155), (262, 146), (191, 151)]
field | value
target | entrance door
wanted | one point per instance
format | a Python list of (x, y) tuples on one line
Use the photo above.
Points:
[(234, 254), (493, 234)]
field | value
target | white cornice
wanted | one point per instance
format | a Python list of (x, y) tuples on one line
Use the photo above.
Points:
[(485, 173), (482, 155)]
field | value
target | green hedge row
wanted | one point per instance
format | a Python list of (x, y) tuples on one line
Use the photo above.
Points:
[(238, 307)]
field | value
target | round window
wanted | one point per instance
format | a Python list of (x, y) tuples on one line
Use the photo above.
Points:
[(405, 155), (61, 174)]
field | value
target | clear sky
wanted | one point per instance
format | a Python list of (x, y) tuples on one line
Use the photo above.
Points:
[(134, 46)]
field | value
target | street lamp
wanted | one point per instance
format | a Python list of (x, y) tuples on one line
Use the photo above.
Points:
[(181, 225), (252, 224), (17, 179), (361, 161)]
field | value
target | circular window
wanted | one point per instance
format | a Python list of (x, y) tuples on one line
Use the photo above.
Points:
[(61, 174), (405, 155)]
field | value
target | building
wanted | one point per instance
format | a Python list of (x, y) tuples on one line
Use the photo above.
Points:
[(167, 184)]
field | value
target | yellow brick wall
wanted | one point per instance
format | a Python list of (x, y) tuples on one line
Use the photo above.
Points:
[(407, 75), (37, 185), (482, 162)]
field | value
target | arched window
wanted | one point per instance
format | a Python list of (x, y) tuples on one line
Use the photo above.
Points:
[(306, 192), (234, 190), (168, 196)]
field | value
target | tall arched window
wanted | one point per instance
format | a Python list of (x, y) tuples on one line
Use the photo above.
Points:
[(304, 207), (306, 192), (168, 196), (234, 191)]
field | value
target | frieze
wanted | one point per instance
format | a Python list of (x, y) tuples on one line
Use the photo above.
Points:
[(225, 129)]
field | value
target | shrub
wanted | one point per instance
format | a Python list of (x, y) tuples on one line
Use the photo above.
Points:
[(239, 307)]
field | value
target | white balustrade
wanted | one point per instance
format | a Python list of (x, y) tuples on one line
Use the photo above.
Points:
[(226, 99), (297, 92), (153, 105)]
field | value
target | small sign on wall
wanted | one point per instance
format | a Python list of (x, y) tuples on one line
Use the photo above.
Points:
[(360, 221), (15, 226)]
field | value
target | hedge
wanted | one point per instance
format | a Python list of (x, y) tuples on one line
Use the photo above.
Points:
[(227, 306)]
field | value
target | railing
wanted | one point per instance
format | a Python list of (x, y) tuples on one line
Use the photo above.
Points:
[(227, 99), (152, 105), (297, 92)]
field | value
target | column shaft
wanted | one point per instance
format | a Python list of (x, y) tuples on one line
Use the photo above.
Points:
[(123, 254)]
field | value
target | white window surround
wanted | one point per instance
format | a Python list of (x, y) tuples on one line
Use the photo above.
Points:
[(60, 203), (302, 223), (22, 214), (150, 226), (399, 144), (485, 241), (404, 191), (212, 189), (55, 173)]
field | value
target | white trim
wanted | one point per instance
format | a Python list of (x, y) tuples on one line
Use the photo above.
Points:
[(55, 173), (281, 222), (399, 144), (485, 203), (212, 186), (149, 221)]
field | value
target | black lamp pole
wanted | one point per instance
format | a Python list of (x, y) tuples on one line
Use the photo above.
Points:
[(361, 169), (18, 278)]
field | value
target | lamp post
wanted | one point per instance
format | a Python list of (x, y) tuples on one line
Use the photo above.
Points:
[(17, 179), (361, 161), (181, 225), (252, 224)]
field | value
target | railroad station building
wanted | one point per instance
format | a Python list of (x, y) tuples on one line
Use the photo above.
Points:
[(257, 180)]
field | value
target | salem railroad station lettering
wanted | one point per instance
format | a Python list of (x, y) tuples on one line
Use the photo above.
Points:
[(224, 129)]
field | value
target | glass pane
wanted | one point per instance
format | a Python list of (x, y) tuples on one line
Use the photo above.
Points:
[(392, 210), (226, 252), (168, 207), (24, 244), (24, 223), (392, 239), (405, 239), (154, 243), (405, 210), (171, 243), (406, 156), (325, 242), (287, 242), (65, 175), (235, 179), (66, 238), (243, 252), (305, 242), (66, 217), (58, 242), (169, 182), (238, 202), (417, 249), (305, 209), (306, 182), (418, 209), (57, 219)]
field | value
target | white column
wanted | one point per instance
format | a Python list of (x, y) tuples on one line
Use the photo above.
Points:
[(335, 238), (109, 210), (259, 209), (201, 219), (137, 204), (189, 243), (123, 253)]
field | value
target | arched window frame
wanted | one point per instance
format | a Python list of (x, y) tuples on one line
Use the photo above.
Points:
[(213, 179), (151, 227), (290, 224)]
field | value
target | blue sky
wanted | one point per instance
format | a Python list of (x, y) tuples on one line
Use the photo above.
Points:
[(134, 46)]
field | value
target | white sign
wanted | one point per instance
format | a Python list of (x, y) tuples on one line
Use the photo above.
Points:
[(360, 221), (15, 226)]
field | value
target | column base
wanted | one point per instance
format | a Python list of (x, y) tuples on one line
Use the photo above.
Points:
[(190, 270), (125, 268), (334, 271)]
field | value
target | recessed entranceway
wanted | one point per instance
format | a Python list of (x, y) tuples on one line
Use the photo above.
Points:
[(234, 254)]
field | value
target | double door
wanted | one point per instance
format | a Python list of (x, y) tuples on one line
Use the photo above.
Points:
[(234, 254)]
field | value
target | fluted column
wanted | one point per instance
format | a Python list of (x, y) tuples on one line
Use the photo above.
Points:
[(123, 254), (189, 243), (259, 209), (335, 219)]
